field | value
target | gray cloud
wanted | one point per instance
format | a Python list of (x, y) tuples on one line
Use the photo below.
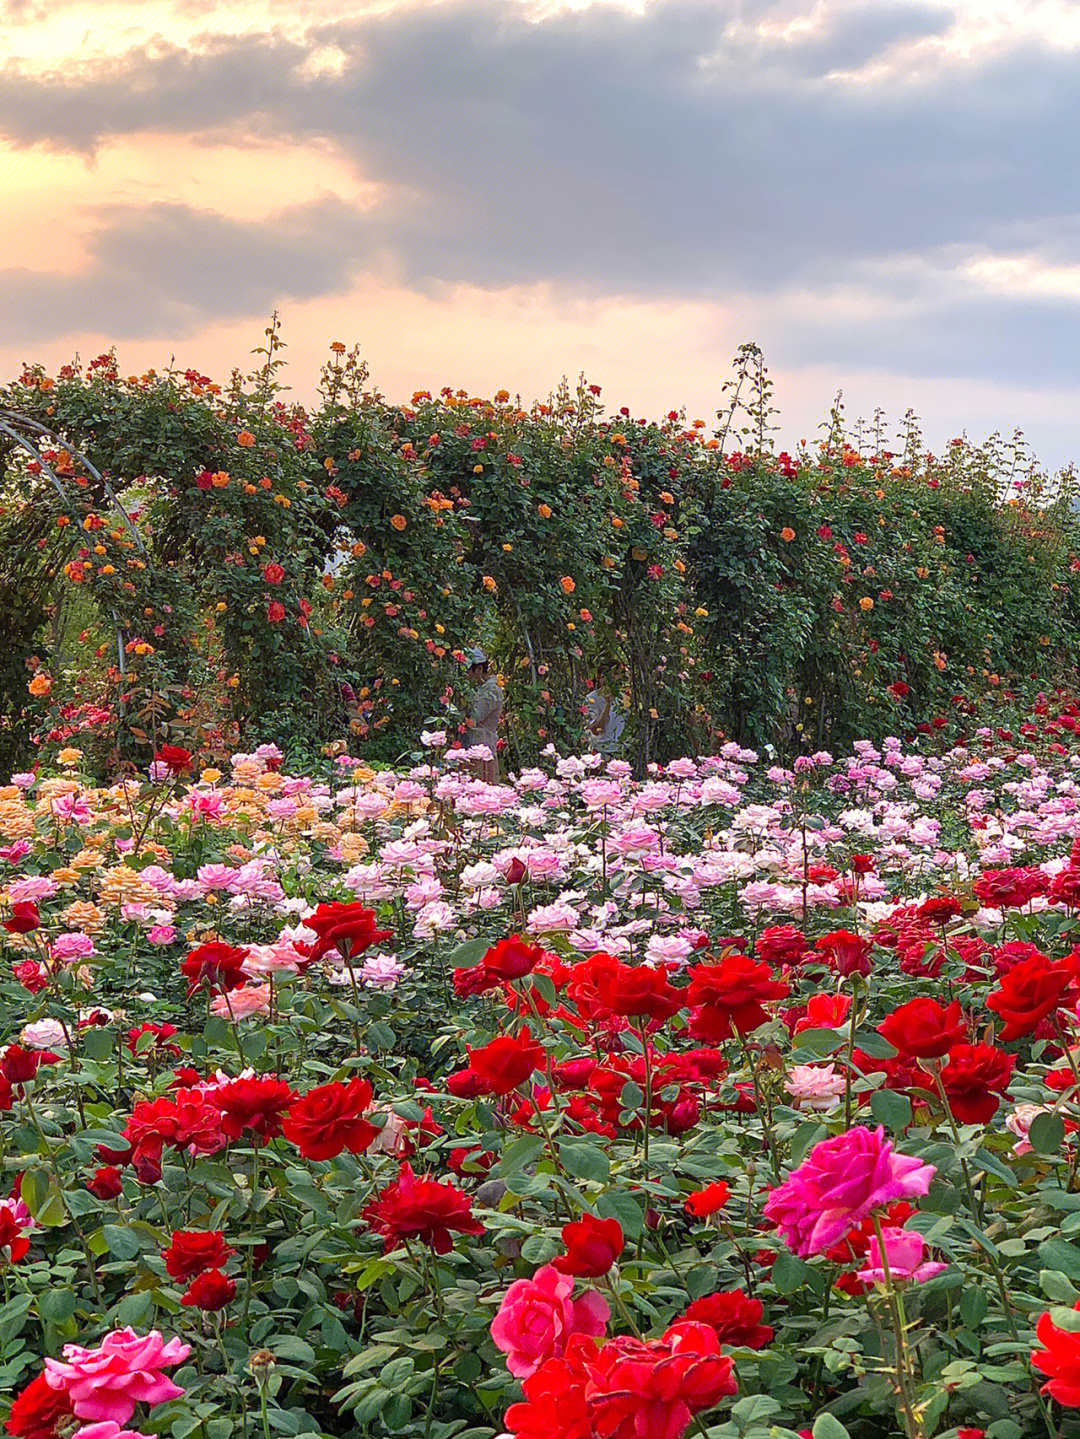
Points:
[(613, 154)]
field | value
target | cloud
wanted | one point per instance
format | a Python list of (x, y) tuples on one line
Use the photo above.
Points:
[(876, 186)]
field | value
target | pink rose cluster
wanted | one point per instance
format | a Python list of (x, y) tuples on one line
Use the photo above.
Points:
[(105, 1384), (842, 1181)]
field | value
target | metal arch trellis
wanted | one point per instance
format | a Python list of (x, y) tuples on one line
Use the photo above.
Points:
[(13, 425)]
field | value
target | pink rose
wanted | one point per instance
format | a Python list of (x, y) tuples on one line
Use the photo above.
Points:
[(537, 1317), (906, 1252), (107, 1429), (838, 1185), (106, 1383)]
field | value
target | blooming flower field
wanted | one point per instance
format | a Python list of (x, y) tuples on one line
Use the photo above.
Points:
[(738, 1101)]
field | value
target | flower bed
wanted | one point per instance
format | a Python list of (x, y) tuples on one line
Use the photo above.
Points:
[(740, 1100)]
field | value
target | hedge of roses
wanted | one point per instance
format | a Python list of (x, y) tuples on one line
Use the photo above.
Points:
[(305, 568), (740, 1100)]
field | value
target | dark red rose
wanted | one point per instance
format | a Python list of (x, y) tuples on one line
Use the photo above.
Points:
[(210, 1291), (1027, 994), (179, 760), (512, 958), (465, 1084), (506, 1062), (162, 1034), (924, 1029), (18, 1065), (729, 993), (782, 944), (515, 871), (193, 1251), (635, 991), (421, 1208), (846, 952), (258, 1105), (217, 965), (330, 1119), (974, 1079), (735, 1317), (39, 1411), (107, 1183), (592, 1246), (1010, 888), (348, 928), (24, 917)]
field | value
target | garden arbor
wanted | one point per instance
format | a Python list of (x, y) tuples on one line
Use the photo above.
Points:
[(46, 484)]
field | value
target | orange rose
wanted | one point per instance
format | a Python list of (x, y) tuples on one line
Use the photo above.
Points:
[(398, 521), (39, 686), (787, 534), (568, 586), (246, 439)]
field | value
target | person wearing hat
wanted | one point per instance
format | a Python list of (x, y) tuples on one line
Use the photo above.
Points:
[(487, 708)]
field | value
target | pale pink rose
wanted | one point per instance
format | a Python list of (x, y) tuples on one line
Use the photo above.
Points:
[(125, 1369), (905, 1250), (817, 1086), (250, 999), (538, 1315), (161, 934), (838, 1186)]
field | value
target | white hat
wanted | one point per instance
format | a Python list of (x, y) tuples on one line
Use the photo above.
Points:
[(477, 657)]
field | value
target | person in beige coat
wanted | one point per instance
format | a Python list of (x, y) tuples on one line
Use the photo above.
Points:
[(487, 709)]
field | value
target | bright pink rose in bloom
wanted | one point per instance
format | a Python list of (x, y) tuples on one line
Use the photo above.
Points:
[(125, 1369), (839, 1184), (537, 1316), (905, 1251)]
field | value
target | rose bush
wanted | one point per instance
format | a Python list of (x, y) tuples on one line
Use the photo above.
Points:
[(745, 1101)]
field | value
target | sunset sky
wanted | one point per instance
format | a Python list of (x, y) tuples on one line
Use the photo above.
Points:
[(488, 193)]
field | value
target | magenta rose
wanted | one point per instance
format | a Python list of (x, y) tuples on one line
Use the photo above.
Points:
[(839, 1184), (125, 1369), (537, 1316)]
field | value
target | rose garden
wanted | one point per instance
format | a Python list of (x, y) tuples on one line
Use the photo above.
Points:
[(359, 1081)]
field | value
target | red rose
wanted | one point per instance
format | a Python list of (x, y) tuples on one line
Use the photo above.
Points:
[(731, 993), (273, 574), (1010, 888), (635, 991), (193, 1251), (18, 1065), (331, 1118), (24, 917), (217, 965), (704, 1202), (162, 1034), (924, 1029), (211, 1291), (348, 928), (555, 1406), (823, 1011), (1027, 994), (939, 908), (974, 1077), (735, 1317), (13, 1243), (39, 1411), (423, 1209), (275, 612), (512, 958), (592, 1246), (178, 760), (845, 952), (652, 1388), (506, 1062), (186, 1120), (515, 871), (106, 1183), (782, 944), (256, 1104), (1060, 1358)]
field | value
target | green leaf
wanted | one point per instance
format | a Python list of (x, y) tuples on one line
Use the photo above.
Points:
[(122, 1242), (789, 1272), (754, 1409), (469, 953), (56, 1305), (1057, 1288), (1047, 1133), (891, 1109), (585, 1161), (827, 1426), (1059, 1255)]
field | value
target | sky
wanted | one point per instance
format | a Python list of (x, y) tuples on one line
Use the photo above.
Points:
[(884, 195)]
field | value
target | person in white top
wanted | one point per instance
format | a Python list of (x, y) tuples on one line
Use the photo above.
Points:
[(604, 722), (487, 709)]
